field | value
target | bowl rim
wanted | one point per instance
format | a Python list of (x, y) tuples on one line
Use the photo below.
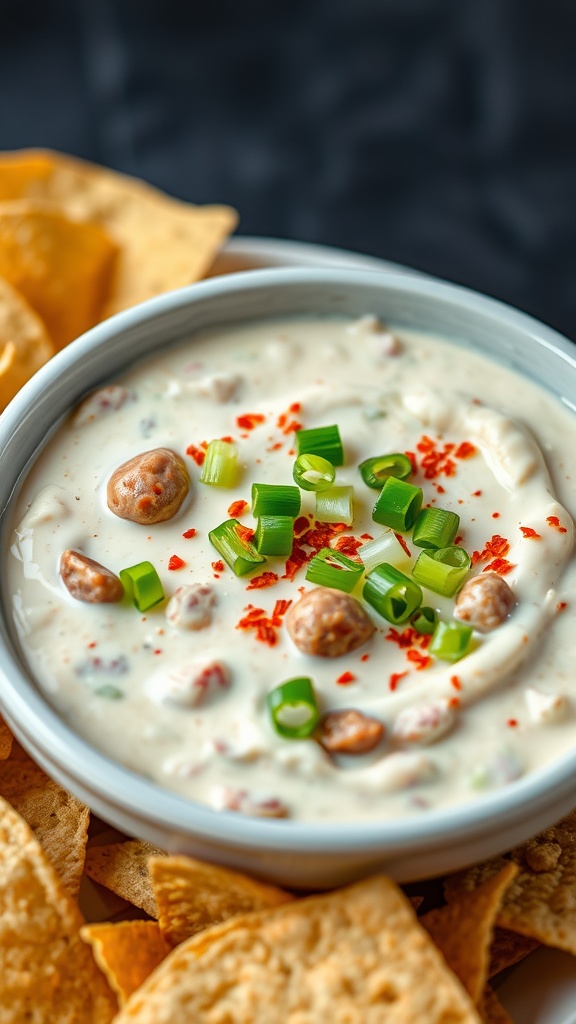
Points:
[(35, 719)]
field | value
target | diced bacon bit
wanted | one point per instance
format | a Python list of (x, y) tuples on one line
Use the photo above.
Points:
[(286, 422), (265, 626), (500, 565), (435, 460), (512, 722), (196, 453), (456, 683), (395, 679), (237, 508), (345, 678), (555, 523), (317, 536), (497, 547), (560, 607), (347, 545), (365, 657), (529, 533), (267, 579), (250, 420), (218, 566), (403, 544), (189, 534), (245, 533), (421, 661), (175, 562), (465, 450), (413, 463)]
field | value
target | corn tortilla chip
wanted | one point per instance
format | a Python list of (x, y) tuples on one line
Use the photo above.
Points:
[(126, 953), (59, 821), (24, 342), (508, 948), (5, 740), (191, 895), (46, 972), (123, 868), (164, 243), (491, 1009), (462, 930), (541, 901), (352, 956), (61, 266)]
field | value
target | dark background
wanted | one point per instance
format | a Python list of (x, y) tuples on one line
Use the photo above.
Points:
[(437, 133)]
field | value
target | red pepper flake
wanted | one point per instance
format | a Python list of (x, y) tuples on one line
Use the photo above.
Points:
[(245, 534), (366, 536), (440, 489), (476, 494), (317, 536), (395, 679), (265, 626), (497, 547), (189, 534), (250, 420), (560, 607), (227, 439), (413, 463), (237, 508), (157, 651), (408, 638), (218, 566), (456, 683), (364, 657), (275, 447), (345, 678), (92, 645), (512, 722), (458, 539), (286, 422), (435, 459), (495, 515), (554, 522), (465, 450), (196, 453), (347, 545), (500, 565), (529, 533), (175, 562), (267, 579), (454, 702), (300, 525), (403, 544), (421, 661)]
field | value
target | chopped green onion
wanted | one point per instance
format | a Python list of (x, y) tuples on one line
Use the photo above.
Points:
[(335, 505), (451, 641), (239, 554), (323, 441), (385, 548), (142, 585), (293, 709), (275, 500), (392, 594), (435, 528), (313, 473), (274, 535), (442, 571), (333, 569), (109, 692), (220, 467), (424, 620), (376, 471), (397, 505)]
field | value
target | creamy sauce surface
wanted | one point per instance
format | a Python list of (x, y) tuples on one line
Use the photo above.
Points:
[(123, 679)]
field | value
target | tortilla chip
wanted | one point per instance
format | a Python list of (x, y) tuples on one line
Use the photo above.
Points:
[(46, 972), (164, 243), (24, 342), (491, 1009), (59, 821), (6, 740), (462, 930), (123, 868), (191, 895), (353, 955), (541, 901), (508, 948), (126, 953), (62, 266)]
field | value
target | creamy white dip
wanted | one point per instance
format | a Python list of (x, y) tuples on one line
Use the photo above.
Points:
[(128, 682)]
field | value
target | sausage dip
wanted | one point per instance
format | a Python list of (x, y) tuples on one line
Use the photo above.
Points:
[(178, 693)]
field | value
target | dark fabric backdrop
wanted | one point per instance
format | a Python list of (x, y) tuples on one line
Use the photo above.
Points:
[(438, 133)]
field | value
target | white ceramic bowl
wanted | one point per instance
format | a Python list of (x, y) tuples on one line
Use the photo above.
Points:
[(295, 853)]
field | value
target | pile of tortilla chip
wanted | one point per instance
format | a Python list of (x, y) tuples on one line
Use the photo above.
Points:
[(78, 243), (179, 941)]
